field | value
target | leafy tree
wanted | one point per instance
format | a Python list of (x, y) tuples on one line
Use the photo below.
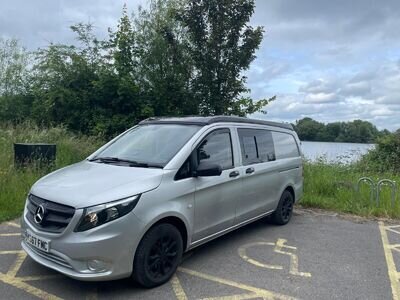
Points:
[(357, 131), (165, 66), (14, 61), (222, 46), (150, 65), (13, 70), (308, 129)]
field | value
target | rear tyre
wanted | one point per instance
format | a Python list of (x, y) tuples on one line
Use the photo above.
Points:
[(283, 213), (158, 255)]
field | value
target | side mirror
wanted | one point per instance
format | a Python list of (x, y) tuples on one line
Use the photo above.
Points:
[(208, 170)]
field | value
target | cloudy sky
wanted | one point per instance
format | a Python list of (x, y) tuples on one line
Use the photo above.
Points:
[(328, 60)]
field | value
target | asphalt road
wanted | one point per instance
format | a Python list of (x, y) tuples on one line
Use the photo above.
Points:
[(316, 256)]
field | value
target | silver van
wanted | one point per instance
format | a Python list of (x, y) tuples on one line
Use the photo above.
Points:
[(161, 188)]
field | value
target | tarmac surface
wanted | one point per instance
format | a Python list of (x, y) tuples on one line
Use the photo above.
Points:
[(315, 256)]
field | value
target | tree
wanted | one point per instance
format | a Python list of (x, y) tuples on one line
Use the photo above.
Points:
[(222, 45), (13, 67), (165, 66), (308, 129), (150, 65), (14, 61), (357, 131)]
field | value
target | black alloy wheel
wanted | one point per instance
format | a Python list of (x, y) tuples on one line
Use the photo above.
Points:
[(162, 257), (284, 211), (158, 255)]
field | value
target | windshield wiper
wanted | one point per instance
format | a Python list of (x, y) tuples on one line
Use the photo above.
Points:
[(131, 163)]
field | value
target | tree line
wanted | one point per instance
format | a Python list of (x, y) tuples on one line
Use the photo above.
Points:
[(176, 57), (357, 131)]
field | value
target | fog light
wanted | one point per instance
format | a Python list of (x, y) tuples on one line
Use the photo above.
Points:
[(96, 265)]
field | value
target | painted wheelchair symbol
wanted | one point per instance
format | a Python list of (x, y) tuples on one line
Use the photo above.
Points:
[(280, 247)]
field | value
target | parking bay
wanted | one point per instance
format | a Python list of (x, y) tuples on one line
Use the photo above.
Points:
[(316, 256)]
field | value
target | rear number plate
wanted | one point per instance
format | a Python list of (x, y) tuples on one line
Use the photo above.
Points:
[(37, 242)]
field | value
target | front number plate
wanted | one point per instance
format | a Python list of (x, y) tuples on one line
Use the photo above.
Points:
[(37, 242)]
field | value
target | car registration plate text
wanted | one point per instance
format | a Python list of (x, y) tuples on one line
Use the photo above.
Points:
[(37, 242)]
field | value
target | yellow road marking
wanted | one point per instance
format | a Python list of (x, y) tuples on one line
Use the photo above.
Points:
[(177, 287), (13, 224), (294, 260), (393, 226), (392, 230), (10, 234), (40, 277), (10, 252), (243, 254), (235, 297), (259, 293), (17, 264), (392, 271), (278, 248), (18, 283)]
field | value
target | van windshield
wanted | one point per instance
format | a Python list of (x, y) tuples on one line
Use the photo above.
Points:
[(152, 145)]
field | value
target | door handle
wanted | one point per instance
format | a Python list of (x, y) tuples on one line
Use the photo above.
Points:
[(234, 174), (250, 171)]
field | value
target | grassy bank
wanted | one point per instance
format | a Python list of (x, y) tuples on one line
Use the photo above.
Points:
[(333, 187), (326, 186), (15, 183)]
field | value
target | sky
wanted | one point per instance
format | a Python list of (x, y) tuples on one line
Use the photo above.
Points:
[(327, 60)]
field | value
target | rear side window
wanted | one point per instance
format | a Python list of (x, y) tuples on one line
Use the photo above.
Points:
[(257, 145), (216, 148), (285, 145)]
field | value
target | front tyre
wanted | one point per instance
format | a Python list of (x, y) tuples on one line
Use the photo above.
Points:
[(158, 255), (283, 213)]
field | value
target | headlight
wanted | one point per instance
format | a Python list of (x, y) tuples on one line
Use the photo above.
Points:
[(98, 215)]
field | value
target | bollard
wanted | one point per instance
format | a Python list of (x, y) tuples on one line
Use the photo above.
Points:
[(371, 183), (389, 183)]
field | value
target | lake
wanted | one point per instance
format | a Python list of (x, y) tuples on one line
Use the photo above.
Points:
[(334, 152)]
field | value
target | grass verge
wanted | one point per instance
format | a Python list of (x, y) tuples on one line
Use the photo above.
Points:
[(333, 187), (16, 182), (327, 186)]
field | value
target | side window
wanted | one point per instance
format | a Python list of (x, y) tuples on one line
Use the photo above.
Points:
[(257, 145), (285, 145), (216, 148)]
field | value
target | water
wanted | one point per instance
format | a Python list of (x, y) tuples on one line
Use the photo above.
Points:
[(335, 152)]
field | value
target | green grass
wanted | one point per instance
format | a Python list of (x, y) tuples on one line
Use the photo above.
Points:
[(16, 182), (327, 186), (333, 187)]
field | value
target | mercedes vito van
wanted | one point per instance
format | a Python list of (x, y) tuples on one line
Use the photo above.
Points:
[(161, 188)]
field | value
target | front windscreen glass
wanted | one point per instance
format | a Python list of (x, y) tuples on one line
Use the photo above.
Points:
[(152, 145)]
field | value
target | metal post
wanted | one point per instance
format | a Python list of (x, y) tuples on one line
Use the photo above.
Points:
[(390, 183), (372, 185)]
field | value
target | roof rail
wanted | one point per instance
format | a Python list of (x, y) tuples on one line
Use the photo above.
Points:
[(203, 121)]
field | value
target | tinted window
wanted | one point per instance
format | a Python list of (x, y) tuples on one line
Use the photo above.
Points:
[(216, 148), (285, 145), (257, 145)]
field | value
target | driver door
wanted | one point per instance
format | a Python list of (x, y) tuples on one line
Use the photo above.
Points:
[(216, 197)]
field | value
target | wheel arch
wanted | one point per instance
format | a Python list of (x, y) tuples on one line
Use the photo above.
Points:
[(179, 222), (291, 190)]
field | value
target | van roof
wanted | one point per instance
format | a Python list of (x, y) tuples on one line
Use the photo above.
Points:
[(203, 121)]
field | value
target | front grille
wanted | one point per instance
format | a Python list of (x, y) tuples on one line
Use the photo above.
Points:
[(56, 218), (51, 257)]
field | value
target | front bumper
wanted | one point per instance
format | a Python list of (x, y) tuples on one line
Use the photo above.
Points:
[(110, 248)]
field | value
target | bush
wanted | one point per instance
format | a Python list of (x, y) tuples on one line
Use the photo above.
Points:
[(385, 157)]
